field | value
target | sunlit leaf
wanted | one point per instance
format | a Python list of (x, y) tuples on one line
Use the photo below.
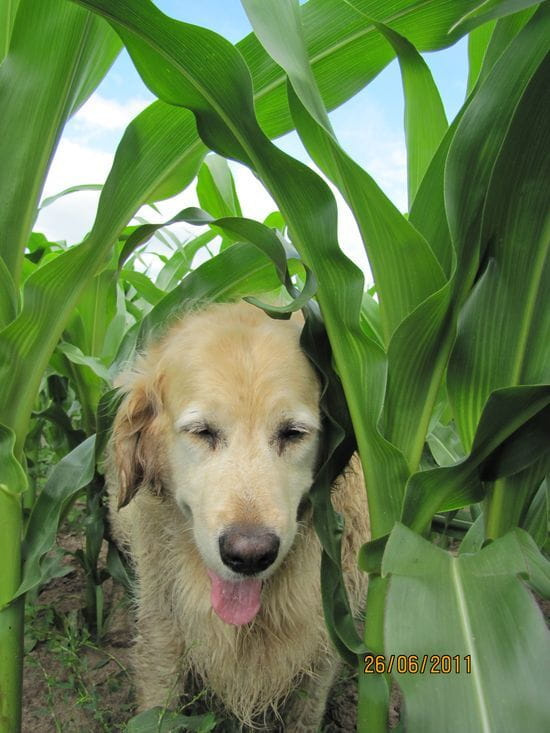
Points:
[(469, 672)]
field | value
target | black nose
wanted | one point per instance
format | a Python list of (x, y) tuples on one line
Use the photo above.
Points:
[(248, 549)]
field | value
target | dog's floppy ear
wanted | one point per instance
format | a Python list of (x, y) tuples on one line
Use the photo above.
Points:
[(136, 439)]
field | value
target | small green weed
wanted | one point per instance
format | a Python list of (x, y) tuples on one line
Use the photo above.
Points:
[(77, 672)]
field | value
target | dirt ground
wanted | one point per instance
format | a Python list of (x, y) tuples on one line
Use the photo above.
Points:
[(73, 684)]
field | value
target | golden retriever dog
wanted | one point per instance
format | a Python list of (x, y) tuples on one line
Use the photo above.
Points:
[(213, 452)]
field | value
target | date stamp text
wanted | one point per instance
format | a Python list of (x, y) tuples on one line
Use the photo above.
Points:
[(415, 664)]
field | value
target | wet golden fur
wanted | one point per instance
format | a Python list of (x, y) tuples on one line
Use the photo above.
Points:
[(247, 370)]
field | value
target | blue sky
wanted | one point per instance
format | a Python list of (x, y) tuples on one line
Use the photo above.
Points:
[(369, 126)]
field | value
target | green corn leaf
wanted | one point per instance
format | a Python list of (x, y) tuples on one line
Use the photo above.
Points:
[(38, 242), (345, 52), (479, 137), (144, 156), (370, 319), (238, 271), (72, 189), (425, 119), (145, 288), (334, 41), (12, 475), (482, 602), (445, 444), (66, 481), (169, 239), (466, 140), (386, 234), (337, 447), (180, 262), (389, 240), (537, 573), (143, 233), (537, 516), (86, 334), (245, 230), (285, 43), (159, 720), (216, 188), (509, 496), (117, 569), (504, 32), (491, 10), (75, 355), (95, 312), (117, 327), (106, 411), (427, 213), (68, 478), (506, 416), (511, 458), (478, 40), (8, 11), (27, 343), (8, 296), (417, 357), (499, 338), (474, 537), (43, 83), (33, 334)]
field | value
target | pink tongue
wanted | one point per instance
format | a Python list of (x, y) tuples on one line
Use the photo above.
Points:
[(235, 603)]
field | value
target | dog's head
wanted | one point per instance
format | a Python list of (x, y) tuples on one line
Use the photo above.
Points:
[(224, 415)]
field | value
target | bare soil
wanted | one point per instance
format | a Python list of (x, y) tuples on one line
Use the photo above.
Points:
[(72, 682)]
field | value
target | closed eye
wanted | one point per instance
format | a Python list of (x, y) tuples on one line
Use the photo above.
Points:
[(290, 433), (203, 432)]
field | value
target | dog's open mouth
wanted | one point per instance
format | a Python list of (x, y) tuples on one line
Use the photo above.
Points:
[(235, 602)]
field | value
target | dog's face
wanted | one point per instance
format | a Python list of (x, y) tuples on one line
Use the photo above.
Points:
[(233, 413)]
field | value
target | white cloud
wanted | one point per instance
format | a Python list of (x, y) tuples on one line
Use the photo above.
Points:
[(72, 216), (100, 114), (388, 166)]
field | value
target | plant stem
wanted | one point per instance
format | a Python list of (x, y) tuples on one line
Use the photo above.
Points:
[(495, 508), (11, 615), (507, 500), (374, 689)]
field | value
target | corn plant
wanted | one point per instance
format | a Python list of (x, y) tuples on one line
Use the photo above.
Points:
[(437, 317), (444, 349), (41, 85)]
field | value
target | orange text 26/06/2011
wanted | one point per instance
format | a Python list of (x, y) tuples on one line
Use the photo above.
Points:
[(415, 664)]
